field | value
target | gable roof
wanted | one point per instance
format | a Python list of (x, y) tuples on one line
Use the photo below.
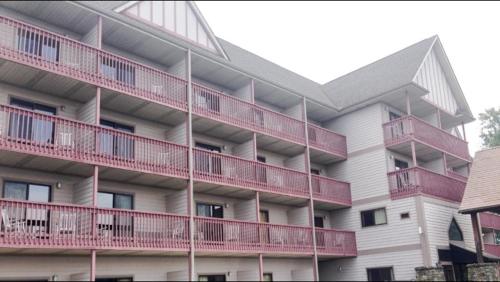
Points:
[(379, 77), (481, 192)]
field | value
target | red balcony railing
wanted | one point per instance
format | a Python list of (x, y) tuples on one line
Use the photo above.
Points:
[(326, 140), (489, 220), (411, 128), (492, 249), (224, 169), (417, 180), (216, 105), (49, 225), (335, 242), (230, 235), (42, 49), (331, 190), (52, 136)]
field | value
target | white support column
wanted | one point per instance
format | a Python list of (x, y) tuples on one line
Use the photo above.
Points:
[(311, 201), (190, 188), (438, 117), (408, 106)]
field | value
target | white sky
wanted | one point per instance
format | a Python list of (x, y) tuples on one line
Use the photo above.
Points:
[(324, 40)]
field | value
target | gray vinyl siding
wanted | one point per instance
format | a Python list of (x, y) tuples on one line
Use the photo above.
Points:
[(87, 112), (180, 275), (224, 266), (92, 36), (179, 68), (246, 210), (248, 275), (278, 214), (299, 216), (177, 202), (83, 191), (362, 128), (295, 112), (403, 264), (282, 268), (302, 274), (297, 162), (141, 127), (438, 218), (245, 150), (245, 92), (397, 231), (178, 134)]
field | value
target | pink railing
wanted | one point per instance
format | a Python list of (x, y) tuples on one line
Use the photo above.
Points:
[(230, 235), (457, 175), (490, 220), (35, 47), (335, 242), (216, 105), (492, 249), (328, 189), (411, 128), (417, 180), (225, 169), (52, 136), (326, 140), (50, 225)]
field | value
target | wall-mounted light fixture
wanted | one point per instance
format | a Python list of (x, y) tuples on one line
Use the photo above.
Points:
[(58, 185)]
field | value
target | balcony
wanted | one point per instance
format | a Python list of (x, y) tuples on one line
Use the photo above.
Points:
[(330, 190), (50, 136), (43, 50), (64, 226), (419, 181), (237, 172), (430, 140), (217, 106), (489, 220), (242, 236), (331, 242), (326, 141)]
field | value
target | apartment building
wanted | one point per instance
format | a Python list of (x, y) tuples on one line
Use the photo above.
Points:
[(137, 145)]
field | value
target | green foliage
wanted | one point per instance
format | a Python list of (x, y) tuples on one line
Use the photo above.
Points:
[(490, 127)]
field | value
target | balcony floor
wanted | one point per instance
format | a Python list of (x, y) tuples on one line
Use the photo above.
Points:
[(426, 153), (246, 193), (59, 166)]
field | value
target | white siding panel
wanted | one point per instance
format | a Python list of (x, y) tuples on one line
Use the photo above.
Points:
[(432, 77), (403, 263), (396, 232), (438, 218), (169, 14), (191, 24), (362, 128), (180, 18)]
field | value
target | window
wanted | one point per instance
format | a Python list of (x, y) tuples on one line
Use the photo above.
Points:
[(497, 237), (116, 144), (399, 164), (38, 45), (28, 127), (373, 217), (209, 210), (207, 162), (393, 116), (212, 278), (454, 232), (314, 171), (115, 225), (318, 222), (118, 71), (405, 215), (27, 191), (268, 277), (380, 274), (264, 216)]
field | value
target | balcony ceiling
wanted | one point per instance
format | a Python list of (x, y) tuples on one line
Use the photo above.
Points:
[(279, 146), (217, 74), (220, 130), (425, 153), (60, 14), (275, 96)]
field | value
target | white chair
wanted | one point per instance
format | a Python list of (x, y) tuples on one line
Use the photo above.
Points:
[(12, 224), (67, 223), (178, 230)]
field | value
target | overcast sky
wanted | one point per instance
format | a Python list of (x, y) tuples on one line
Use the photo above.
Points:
[(324, 40)]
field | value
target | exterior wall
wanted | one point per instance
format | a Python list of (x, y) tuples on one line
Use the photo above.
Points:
[(438, 216), (403, 263), (225, 266), (282, 269), (432, 77), (70, 267)]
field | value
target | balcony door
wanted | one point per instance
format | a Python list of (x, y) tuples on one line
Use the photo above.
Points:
[(26, 127), (210, 231), (315, 181), (261, 173), (320, 237), (206, 162), (397, 129), (265, 236), (113, 223), (403, 178), (38, 45), (117, 145), (34, 219)]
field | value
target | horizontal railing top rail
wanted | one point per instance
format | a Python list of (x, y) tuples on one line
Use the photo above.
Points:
[(413, 127), (327, 140), (57, 136), (215, 104), (22, 42)]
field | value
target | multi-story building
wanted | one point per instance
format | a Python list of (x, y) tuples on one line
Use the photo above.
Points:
[(135, 144)]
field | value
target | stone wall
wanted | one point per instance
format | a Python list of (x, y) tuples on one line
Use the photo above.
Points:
[(430, 274), (483, 272)]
